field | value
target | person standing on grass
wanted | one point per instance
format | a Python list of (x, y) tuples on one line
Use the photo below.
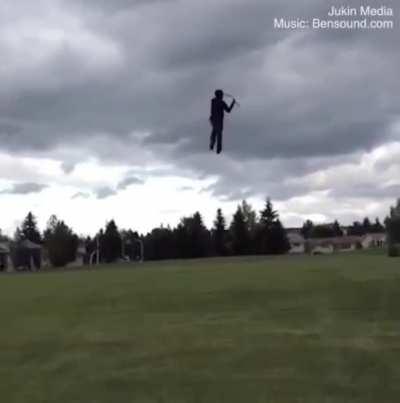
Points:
[(218, 109)]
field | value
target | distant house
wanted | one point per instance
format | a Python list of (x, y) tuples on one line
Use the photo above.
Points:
[(4, 256), (27, 255), (297, 242), (374, 241), (321, 246)]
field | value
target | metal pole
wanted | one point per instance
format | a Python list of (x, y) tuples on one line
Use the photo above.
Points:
[(98, 250), (140, 242)]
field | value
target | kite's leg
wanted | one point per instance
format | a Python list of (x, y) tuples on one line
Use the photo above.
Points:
[(219, 142), (213, 138)]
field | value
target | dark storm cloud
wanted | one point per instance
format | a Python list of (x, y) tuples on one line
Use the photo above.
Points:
[(308, 98), (115, 5), (24, 189)]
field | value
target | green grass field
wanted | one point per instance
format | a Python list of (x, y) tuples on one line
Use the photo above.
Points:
[(291, 329)]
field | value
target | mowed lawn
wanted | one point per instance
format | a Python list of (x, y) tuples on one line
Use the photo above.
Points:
[(287, 329)]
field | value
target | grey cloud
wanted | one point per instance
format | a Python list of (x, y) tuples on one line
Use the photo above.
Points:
[(367, 190), (24, 189), (80, 195), (9, 129), (185, 188), (105, 192), (68, 167), (130, 180), (308, 99)]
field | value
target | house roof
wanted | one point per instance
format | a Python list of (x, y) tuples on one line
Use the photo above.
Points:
[(30, 245), (4, 247), (339, 240), (376, 236), (295, 237)]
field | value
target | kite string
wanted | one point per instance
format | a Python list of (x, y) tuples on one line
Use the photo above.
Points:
[(232, 97)]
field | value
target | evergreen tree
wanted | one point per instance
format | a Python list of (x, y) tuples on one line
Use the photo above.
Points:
[(268, 216), (239, 233), (29, 229), (271, 237), (219, 234), (200, 236)]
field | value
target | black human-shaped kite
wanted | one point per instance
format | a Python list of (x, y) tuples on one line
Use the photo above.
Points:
[(218, 109)]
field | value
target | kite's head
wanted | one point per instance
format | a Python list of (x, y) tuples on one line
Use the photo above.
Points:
[(219, 94)]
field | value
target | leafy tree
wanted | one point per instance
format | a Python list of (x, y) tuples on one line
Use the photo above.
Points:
[(250, 219), (60, 242), (192, 237), (29, 229), (18, 236), (130, 245), (3, 238), (323, 231), (367, 226), (110, 243), (250, 216), (337, 230), (356, 229), (307, 229), (160, 244), (278, 243), (219, 234), (393, 229), (377, 227)]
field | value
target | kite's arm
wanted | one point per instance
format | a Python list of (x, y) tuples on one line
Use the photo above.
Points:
[(229, 108)]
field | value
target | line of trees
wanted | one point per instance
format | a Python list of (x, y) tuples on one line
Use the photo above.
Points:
[(249, 233), (310, 230)]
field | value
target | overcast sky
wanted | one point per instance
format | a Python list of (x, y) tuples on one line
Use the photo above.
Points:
[(104, 109)]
